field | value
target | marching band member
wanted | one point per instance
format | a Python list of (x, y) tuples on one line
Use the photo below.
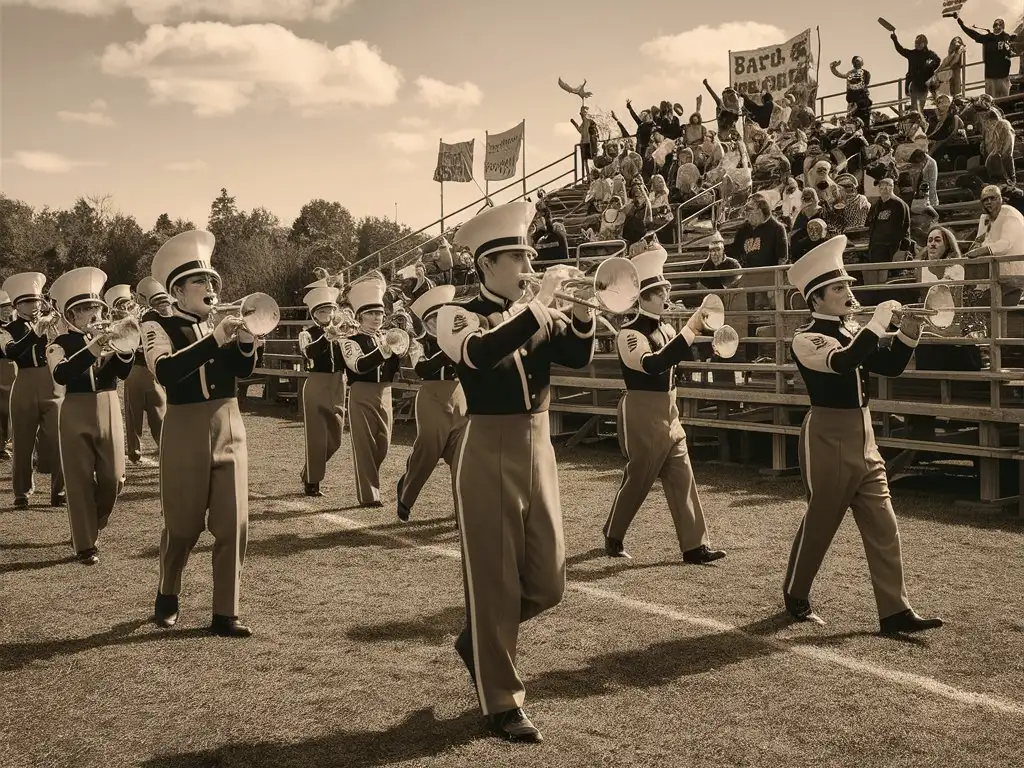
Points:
[(839, 459), (323, 393), (8, 372), (90, 425), (142, 395), (440, 404), (156, 298), (370, 366), (35, 396), (204, 465), (507, 500), (650, 434)]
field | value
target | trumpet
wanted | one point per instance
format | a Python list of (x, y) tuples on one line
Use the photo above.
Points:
[(938, 309), (724, 340), (45, 324), (123, 335), (615, 283), (125, 309), (259, 312), (343, 323)]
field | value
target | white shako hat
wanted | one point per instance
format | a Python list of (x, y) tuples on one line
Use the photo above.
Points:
[(366, 296), (116, 293), (650, 265), (5, 299), (503, 228), (24, 285), (150, 289), (820, 266), (321, 296), (407, 272), (78, 286), (431, 301), (184, 255)]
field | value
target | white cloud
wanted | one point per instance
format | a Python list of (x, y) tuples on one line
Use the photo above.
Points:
[(186, 166), (413, 122), (47, 162), (218, 69), (95, 115), (565, 130), (159, 11), (435, 93), (404, 141)]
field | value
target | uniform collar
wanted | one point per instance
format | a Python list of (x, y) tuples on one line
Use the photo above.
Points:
[(494, 298), (827, 318), (179, 312)]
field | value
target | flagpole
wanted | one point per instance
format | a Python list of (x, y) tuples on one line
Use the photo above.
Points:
[(524, 158), (440, 146), (487, 184), (817, 73)]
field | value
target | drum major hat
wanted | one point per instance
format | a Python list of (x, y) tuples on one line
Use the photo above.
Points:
[(321, 296), (650, 265), (83, 285), (431, 301), (820, 266), (151, 290), (25, 286), (116, 293), (184, 255), (366, 296), (499, 229)]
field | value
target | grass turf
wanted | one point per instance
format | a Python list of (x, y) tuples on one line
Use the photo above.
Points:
[(645, 663)]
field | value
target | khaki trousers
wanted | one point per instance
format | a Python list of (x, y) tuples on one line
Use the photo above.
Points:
[(143, 398), (440, 419), (35, 404), (92, 458), (841, 469), (370, 421), (513, 552), (323, 421), (654, 444), (8, 373), (204, 483)]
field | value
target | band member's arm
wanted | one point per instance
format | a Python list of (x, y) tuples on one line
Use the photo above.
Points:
[(635, 351), (17, 347), (428, 367), (359, 361), (170, 366), (121, 364), (893, 360), (66, 369), (462, 337), (573, 342), (241, 357)]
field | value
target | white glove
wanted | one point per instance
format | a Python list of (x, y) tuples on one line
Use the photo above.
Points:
[(884, 312), (226, 330), (551, 282)]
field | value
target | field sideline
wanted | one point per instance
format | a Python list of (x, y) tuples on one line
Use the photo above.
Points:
[(647, 662)]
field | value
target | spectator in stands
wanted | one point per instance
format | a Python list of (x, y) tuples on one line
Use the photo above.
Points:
[(922, 215), (810, 208), (858, 82), (921, 65), (695, 135), (550, 240), (997, 140), (668, 120), (760, 111), (717, 260), (880, 162), (852, 207), (589, 137), (997, 53), (910, 138), (645, 125), (727, 108), (926, 171), (444, 261), (1001, 233), (687, 175), (944, 123), (613, 218), (661, 211), (889, 232), (948, 79), (415, 286), (790, 203)]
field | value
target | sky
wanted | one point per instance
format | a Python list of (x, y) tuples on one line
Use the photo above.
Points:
[(160, 103)]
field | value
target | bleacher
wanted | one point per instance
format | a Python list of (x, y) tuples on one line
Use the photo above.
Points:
[(750, 412)]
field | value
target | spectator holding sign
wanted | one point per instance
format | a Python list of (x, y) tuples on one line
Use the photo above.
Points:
[(997, 54)]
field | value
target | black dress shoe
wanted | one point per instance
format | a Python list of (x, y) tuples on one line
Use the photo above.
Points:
[(702, 555), (800, 609), (404, 512), (165, 612), (89, 557), (312, 489), (21, 502), (907, 621), (464, 647), (229, 626), (613, 548), (59, 499), (514, 725)]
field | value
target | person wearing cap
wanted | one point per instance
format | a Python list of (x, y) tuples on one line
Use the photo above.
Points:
[(840, 462), (35, 396), (323, 393), (204, 467), (370, 366), (853, 205), (440, 404), (507, 501), (90, 425), (8, 372), (650, 434)]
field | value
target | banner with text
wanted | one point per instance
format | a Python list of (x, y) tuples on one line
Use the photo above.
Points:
[(949, 7), (785, 65), (502, 156), (455, 162)]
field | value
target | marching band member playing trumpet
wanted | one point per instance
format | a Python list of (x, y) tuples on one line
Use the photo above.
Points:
[(155, 297), (510, 517), (204, 465), (839, 459), (440, 404), (35, 396), (323, 393), (371, 366), (90, 425), (650, 434), (8, 372)]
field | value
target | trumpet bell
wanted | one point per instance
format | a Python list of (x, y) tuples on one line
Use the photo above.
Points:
[(939, 303), (127, 337), (725, 342), (397, 341), (260, 313), (616, 285), (714, 312)]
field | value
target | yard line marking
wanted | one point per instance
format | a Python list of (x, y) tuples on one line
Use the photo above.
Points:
[(906, 679)]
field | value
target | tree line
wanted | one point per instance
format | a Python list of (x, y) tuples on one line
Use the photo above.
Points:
[(255, 251)]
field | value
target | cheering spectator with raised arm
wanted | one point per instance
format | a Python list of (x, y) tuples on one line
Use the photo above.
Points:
[(645, 126), (921, 65), (727, 108), (996, 52), (858, 83)]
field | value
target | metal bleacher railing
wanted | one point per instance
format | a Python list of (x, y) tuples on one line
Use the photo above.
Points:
[(968, 421)]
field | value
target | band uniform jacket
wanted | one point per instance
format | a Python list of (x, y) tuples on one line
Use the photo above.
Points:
[(365, 361), (505, 363), (184, 357), (322, 355), (648, 352), (22, 345), (78, 370), (835, 362), (435, 365)]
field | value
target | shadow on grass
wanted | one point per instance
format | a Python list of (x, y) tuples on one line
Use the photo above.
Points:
[(35, 565), (431, 629), (18, 655), (419, 736)]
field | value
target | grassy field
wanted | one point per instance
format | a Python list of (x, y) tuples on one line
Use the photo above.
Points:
[(648, 662)]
